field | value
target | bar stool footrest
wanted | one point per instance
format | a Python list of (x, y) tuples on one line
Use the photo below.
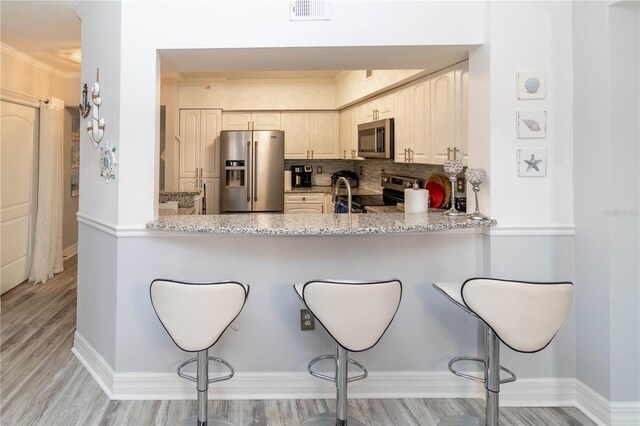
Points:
[(213, 380), (364, 374), (512, 377)]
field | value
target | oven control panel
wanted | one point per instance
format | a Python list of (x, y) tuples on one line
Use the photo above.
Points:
[(400, 183)]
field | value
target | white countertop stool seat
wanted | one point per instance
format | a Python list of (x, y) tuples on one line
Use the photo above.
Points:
[(356, 314), (524, 315), (195, 315)]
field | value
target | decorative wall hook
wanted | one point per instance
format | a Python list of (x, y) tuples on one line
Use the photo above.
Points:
[(85, 106), (108, 162), (96, 126)]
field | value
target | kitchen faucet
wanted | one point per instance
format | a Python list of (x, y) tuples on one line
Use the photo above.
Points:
[(337, 189)]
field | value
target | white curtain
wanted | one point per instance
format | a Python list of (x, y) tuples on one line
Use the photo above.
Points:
[(47, 252)]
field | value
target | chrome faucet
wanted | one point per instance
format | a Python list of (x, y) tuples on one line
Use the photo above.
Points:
[(336, 190)]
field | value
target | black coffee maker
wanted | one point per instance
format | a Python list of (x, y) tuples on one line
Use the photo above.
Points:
[(301, 176)]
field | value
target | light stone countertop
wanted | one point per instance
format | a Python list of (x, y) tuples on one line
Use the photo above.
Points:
[(315, 224)]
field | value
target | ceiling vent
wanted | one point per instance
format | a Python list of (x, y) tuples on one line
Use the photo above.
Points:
[(309, 10)]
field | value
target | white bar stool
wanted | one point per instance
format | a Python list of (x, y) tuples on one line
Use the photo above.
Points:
[(195, 315), (356, 314), (525, 316)]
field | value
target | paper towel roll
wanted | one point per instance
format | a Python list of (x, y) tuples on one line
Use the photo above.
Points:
[(287, 180), (416, 200)]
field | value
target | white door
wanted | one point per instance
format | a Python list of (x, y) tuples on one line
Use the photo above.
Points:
[(210, 143), (189, 143), (18, 176), (443, 131), (323, 139), (421, 119)]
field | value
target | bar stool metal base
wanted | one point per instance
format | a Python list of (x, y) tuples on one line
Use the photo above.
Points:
[(211, 421), (329, 419), (460, 421)]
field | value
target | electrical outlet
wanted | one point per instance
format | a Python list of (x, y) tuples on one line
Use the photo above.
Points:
[(461, 185), (319, 170), (307, 321)]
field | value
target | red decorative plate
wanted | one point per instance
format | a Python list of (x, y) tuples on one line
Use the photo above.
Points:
[(436, 194)]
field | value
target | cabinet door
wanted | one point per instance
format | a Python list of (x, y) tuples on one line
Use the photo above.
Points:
[(210, 143), (443, 132), (324, 135), (296, 134), (421, 122), (265, 120), (303, 208), (365, 112), (212, 195), (402, 125), (385, 107), (462, 111), (189, 143), (187, 184), (348, 146), (236, 121)]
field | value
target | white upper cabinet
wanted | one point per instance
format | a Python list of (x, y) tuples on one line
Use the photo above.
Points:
[(377, 109), (450, 114), (349, 134), (412, 123), (323, 135), (267, 120), (296, 134), (462, 110), (311, 135), (443, 130), (199, 147)]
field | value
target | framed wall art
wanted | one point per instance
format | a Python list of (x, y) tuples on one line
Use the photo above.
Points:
[(531, 124), (531, 85), (532, 162)]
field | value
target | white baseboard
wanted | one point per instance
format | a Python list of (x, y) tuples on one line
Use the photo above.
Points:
[(72, 250), (543, 392), (625, 413)]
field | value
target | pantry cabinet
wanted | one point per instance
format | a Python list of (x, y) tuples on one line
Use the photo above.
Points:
[(311, 135), (199, 147)]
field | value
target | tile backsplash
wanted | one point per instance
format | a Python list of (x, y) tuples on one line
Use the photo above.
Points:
[(368, 170)]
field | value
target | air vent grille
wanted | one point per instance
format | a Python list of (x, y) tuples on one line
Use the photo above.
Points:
[(309, 10)]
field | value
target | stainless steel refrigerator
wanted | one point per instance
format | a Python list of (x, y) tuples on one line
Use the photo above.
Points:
[(252, 165)]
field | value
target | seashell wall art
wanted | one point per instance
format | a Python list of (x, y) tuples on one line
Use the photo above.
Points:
[(531, 124), (531, 85)]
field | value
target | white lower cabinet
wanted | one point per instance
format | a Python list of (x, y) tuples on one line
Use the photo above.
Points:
[(211, 192), (304, 203)]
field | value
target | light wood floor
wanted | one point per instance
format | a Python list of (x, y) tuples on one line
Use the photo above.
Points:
[(43, 383)]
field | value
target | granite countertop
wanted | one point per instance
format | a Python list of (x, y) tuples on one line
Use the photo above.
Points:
[(169, 193), (315, 224), (181, 211)]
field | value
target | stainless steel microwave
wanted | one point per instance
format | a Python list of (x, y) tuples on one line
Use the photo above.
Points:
[(375, 139)]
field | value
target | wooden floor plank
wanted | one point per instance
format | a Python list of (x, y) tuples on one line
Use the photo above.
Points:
[(42, 383)]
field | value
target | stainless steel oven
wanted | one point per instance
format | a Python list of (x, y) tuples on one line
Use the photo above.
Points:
[(375, 139)]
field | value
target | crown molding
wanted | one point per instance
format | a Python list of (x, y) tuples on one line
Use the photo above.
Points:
[(5, 48)]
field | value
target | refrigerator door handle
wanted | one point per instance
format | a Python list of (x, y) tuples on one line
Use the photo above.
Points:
[(255, 171), (248, 169)]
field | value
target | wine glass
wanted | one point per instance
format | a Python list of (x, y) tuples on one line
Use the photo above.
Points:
[(475, 177), (452, 168)]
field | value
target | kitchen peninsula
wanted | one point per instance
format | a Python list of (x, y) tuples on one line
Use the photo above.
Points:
[(316, 224)]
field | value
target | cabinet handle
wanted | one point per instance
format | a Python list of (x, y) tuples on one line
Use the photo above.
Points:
[(311, 154), (304, 199), (307, 154), (448, 153), (344, 154), (455, 151), (412, 154), (353, 153)]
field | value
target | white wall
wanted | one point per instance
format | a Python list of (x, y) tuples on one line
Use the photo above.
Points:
[(530, 36), (23, 74), (351, 86), (606, 50), (264, 94)]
